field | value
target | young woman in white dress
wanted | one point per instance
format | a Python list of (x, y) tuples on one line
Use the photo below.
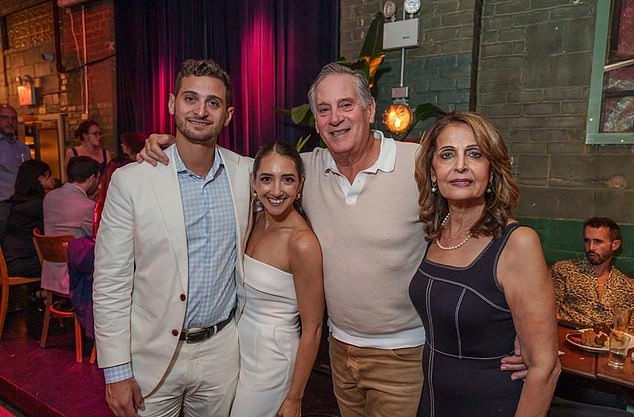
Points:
[(283, 287)]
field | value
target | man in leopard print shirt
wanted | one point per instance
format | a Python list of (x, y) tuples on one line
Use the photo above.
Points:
[(587, 289)]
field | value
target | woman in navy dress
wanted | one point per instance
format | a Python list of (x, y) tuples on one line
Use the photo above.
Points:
[(482, 282)]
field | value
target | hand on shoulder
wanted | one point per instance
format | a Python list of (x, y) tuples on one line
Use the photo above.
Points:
[(153, 153)]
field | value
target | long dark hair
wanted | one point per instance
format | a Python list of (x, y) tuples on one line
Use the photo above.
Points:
[(283, 149), (27, 182)]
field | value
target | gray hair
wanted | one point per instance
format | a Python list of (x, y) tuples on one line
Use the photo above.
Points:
[(335, 68)]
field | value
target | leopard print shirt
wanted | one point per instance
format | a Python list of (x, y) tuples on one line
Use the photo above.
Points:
[(577, 292)]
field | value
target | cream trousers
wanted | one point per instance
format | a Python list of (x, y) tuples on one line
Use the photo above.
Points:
[(201, 378)]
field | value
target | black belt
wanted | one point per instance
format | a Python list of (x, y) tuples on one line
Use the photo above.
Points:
[(198, 335)]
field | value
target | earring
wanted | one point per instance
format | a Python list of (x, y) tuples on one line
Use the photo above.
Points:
[(255, 194), (434, 187), (490, 187), (299, 196)]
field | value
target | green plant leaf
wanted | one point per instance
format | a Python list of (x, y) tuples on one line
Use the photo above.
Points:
[(369, 62), (373, 42), (427, 110), (423, 112), (301, 142), (371, 55), (302, 115), (368, 65), (374, 62)]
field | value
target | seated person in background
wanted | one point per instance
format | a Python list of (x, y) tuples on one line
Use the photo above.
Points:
[(132, 143), (25, 213), (587, 289), (52, 184), (69, 210), (81, 261)]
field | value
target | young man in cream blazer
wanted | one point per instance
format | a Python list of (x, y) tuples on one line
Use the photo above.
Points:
[(168, 264)]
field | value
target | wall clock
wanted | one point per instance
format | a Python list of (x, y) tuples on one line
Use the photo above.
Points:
[(412, 6)]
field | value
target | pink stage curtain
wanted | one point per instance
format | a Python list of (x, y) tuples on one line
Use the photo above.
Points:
[(272, 49)]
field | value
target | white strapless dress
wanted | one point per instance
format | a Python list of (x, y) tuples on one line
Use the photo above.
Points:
[(268, 331)]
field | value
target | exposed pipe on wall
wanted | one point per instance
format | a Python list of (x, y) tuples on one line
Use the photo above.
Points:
[(83, 29), (57, 32), (58, 47), (76, 42), (475, 55)]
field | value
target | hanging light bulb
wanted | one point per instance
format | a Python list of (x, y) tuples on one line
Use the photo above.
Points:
[(398, 117)]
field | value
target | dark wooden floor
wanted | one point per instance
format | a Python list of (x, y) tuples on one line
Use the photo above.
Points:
[(48, 383)]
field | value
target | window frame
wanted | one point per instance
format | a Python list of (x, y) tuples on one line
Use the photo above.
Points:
[(601, 32)]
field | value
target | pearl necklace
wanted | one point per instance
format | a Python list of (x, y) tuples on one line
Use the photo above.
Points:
[(442, 225)]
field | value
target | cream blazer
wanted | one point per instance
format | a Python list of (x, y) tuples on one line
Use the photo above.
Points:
[(140, 311)]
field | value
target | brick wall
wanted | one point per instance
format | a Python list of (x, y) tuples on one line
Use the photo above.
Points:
[(29, 35), (563, 239), (100, 49), (438, 71), (533, 81), (7, 83), (30, 30)]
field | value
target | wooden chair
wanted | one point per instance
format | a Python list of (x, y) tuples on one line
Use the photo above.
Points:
[(6, 283), (54, 249)]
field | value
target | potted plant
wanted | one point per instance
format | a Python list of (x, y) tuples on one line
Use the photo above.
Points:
[(369, 62)]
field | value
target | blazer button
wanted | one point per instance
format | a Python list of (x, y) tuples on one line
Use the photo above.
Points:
[(183, 297), (175, 332)]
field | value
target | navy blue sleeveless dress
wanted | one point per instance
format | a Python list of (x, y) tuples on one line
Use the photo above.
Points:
[(102, 165), (469, 329)]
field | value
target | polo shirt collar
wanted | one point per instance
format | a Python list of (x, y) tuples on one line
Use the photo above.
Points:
[(385, 162)]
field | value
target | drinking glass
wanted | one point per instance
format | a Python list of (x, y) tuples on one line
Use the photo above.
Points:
[(621, 318), (618, 346)]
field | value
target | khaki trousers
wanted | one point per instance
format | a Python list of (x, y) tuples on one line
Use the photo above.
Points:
[(371, 382)]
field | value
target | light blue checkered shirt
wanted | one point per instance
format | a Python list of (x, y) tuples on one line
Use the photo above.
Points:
[(211, 249)]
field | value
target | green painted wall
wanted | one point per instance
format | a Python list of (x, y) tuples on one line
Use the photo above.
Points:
[(563, 239)]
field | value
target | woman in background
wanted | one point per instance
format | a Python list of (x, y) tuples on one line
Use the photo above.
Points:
[(89, 133), (132, 143), (283, 285), (33, 179), (112, 166), (483, 279)]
